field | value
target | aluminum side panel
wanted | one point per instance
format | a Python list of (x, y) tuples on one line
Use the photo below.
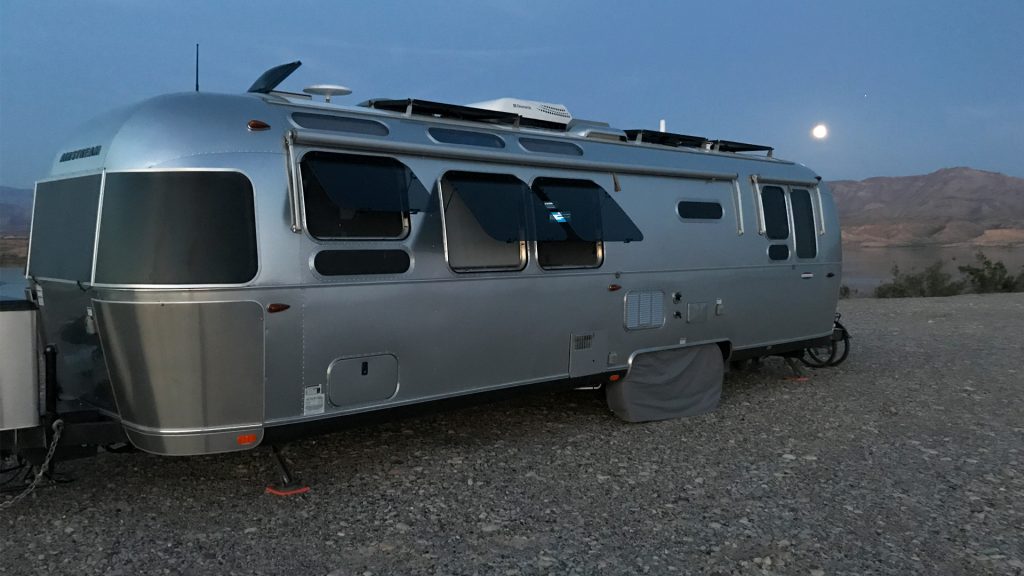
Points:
[(181, 368)]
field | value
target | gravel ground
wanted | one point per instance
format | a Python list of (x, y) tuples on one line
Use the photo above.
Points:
[(907, 459)]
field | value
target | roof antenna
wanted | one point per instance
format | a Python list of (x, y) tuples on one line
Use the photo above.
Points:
[(197, 67)]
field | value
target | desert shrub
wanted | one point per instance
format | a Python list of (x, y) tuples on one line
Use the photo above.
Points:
[(988, 276), (931, 281)]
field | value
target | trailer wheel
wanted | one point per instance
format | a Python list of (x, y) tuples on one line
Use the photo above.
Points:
[(831, 354)]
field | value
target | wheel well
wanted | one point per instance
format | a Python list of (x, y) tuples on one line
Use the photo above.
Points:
[(726, 348)]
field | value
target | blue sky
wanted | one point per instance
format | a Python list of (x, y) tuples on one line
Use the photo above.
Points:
[(905, 87)]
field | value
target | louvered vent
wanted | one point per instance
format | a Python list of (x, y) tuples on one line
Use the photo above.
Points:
[(583, 342), (645, 309)]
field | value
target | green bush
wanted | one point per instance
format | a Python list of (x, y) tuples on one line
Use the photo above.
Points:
[(987, 276), (931, 281)]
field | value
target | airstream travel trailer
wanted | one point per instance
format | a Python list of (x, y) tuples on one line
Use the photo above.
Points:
[(207, 271)]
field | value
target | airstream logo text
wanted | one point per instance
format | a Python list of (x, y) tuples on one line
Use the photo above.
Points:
[(80, 153)]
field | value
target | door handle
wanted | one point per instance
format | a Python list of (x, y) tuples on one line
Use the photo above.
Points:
[(807, 275)]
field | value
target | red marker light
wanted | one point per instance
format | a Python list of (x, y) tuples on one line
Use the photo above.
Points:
[(258, 126), (614, 378), (614, 287), (277, 307), (245, 439)]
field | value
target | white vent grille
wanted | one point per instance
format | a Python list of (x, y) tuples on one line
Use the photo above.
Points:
[(645, 309)]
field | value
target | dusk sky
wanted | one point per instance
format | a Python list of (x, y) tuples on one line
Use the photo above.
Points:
[(904, 87)]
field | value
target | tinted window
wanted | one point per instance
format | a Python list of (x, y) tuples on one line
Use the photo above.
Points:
[(778, 252), (484, 220), (773, 201), (579, 210), (551, 146), (177, 228), (352, 196), (357, 262), (340, 124), (803, 222), (466, 138), (694, 210), (64, 228)]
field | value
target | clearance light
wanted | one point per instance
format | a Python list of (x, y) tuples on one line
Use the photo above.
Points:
[(246, 439), (258, 126)]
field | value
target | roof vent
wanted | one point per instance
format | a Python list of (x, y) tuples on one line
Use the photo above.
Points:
[(540, 114)]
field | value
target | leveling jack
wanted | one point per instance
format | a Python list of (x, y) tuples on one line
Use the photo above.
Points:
[(289, 484)]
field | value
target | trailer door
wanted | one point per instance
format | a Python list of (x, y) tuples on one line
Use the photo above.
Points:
[(794, 292)]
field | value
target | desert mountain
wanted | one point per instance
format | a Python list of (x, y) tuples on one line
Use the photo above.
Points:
[(950, 206), (15, 211)]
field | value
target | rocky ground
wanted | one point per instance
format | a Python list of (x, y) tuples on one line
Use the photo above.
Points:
[(907, 459)]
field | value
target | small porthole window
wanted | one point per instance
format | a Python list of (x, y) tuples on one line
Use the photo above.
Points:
[(778, 252), (466, 138), (699, 210), (550, 146)]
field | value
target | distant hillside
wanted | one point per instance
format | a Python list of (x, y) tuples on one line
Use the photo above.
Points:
[(951, 206), (15, 211)]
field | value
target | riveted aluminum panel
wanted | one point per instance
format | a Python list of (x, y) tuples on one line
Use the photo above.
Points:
[(184, 368)]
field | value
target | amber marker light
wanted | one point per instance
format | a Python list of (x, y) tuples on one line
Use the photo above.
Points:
[(246, 439), (258, 126)]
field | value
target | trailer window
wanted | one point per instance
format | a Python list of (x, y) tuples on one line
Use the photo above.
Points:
[(697, 210), (177, 228), (550, 146), (803, 223), (64, 228), (340, 124), (573, 219), (351, 196), (484, 221), (776, 221), (778, 252), (466, 138), (360, 262)]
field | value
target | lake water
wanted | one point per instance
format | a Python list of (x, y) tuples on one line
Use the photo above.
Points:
[(12, 284), (866, 268)]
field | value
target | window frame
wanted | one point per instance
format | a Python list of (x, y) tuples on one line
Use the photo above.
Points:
[(256, 228), (445, 192), (817, 225), (700, 220), (406, 214), (598, 245)]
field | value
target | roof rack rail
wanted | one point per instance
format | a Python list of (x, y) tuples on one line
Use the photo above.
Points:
[(666, 138), (413, 106), (730, 146)]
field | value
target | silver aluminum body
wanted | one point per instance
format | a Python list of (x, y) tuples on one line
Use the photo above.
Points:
[(19, 397), (192, 369)]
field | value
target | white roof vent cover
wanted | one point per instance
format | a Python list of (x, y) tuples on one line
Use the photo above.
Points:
[(541, 111)]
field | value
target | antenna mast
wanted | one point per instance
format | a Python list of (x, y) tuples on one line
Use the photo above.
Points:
[(197, 67)]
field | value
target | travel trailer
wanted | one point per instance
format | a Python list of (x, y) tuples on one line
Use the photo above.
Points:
[(208, 272)]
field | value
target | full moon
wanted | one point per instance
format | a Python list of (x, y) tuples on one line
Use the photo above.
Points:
[(820, 131)]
